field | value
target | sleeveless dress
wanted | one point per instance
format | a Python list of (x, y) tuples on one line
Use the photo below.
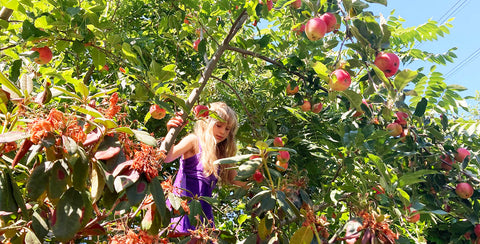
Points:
[(190, 177)]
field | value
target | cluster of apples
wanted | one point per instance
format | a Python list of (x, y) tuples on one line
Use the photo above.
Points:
[(464, 190), (398, 127), (283, 156), (317, 27)]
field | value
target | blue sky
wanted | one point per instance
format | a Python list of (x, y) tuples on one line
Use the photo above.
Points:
[(464, 35)]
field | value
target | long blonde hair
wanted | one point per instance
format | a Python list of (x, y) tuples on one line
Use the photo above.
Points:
[(211, 150)]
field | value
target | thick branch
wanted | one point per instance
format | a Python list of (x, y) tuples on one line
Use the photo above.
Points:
[(207, 73), (280, 65)]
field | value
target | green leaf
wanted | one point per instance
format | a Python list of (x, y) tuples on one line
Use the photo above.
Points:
[(8, 84), (39, 225), (136, 192), (195, 210), (302, 235), (246, 169), (57, 183), (404, 77), (87, 110), (415, 177), (68, 213), (231, 160), (31, 238), (257, 198), (37, 182), (383, 2), (145, 137), (108, 123), (354, 98), (98, 57), (321, 70), (159, 198), (97, 179), (456, 87), (71, 94), (80, 171), (127, 130), (180, 102), (421, 107)]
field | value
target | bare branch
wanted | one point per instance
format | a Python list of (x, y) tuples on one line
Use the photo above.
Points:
[(278, 64)]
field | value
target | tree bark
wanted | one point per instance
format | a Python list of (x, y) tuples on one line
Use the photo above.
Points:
[(207, 73), (5, 13)]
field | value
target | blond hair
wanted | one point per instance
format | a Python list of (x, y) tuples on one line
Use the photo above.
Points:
[(211, 150)]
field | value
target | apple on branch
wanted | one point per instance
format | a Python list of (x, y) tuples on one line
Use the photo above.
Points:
[(464, 190), (315, 29), (330, 21), (340, 80), (388, 63), (44, 55), (291, 91), (157, 112), (306, 106)]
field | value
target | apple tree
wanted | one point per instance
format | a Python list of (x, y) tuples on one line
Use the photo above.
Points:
[(338, 141)]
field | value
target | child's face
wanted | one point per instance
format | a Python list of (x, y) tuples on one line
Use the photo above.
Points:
[(221, 131)]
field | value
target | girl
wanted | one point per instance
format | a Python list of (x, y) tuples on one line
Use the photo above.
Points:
[(212, 139)]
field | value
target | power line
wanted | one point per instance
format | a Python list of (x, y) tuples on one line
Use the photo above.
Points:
[(454, 9), (463, 63)]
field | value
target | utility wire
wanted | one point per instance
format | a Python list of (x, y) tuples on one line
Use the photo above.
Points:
[(454, 9), (463, 63)]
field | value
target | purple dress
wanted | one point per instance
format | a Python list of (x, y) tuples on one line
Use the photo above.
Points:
[(190, 177)]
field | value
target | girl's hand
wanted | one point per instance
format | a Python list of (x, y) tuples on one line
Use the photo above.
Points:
[(176, 121)]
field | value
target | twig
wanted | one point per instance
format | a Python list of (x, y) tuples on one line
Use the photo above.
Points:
[(7, 47), (5, 13), (250, 117), (86, 78)]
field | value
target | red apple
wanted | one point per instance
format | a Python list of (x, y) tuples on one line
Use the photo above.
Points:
[(317, 107), (413, 218), (401, 116), (388, 63), (340, 80), (105, 68), (201, 111), (44, 55), (447, 165), (157, 112), (195, 45), (282, 165), (315, 29), (394, 129), (298, 31), (258, 176), (283, 156), (297, 4), (329, 20), (306, 106), (464, 190), (461, 154), (477, 230), (291, 91), (269, 4), (278, 142)]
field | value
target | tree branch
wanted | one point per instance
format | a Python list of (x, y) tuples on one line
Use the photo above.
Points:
[(5, 13), (278, 64), (212, 63)]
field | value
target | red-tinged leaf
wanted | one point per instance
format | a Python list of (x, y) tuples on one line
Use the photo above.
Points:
[(57, 183), (122, 167), (93, 137), (26, 144), (93, 230), (13, 136), (109, 153), (136, 193), (147, 220), (121, 182)]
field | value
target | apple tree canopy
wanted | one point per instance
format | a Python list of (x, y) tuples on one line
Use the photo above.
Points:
[(82, 155)]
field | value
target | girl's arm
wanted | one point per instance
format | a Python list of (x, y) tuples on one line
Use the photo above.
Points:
[(186, 145)]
